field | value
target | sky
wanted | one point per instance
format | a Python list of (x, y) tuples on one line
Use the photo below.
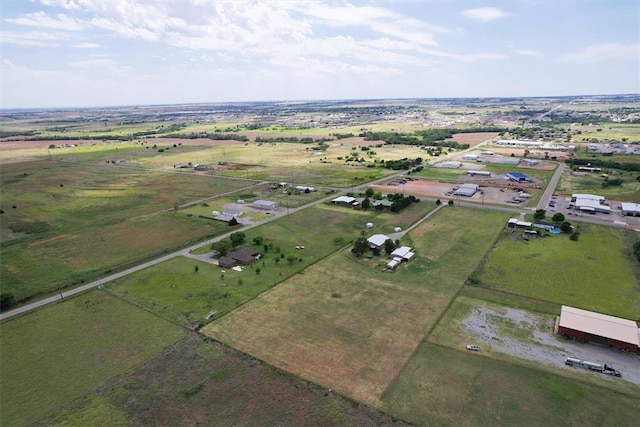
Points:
[(86, 53)]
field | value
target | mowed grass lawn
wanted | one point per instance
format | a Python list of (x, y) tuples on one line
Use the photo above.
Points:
[(351, 325), (54, 355), (443, 386), (595, 273)]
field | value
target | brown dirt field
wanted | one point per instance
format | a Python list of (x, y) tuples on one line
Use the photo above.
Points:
[(320, 327), (474, 139), (50, 239), (199, 382)]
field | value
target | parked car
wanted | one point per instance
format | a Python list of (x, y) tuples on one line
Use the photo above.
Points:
[(473, 347)]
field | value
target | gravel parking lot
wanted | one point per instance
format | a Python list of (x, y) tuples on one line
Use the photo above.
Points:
[(530, 336)]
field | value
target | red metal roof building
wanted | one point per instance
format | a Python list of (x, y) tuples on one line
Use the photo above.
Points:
[(600, 328)]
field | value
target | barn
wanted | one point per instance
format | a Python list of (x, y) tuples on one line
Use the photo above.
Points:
[(599, 328)]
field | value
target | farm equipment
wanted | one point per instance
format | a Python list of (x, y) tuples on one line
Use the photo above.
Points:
[(604, 369)]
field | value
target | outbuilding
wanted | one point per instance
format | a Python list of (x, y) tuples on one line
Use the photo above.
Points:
[(266, 205), (466, 190), (403, 253), (345, 201), (599, 328), (630, 209), (518, 177), (377, 241)]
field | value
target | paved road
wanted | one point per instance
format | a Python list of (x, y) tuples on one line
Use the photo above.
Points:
[(551, 187)]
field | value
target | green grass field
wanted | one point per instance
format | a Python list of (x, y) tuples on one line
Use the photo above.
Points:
[(442, 386), (54, 355), (93, 218), (562, 271), (629, 191)]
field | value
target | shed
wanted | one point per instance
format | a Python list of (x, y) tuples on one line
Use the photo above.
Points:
[(404, 253), (630, 209), (344, 201), (369, 225), (393, 264), (599, 328)]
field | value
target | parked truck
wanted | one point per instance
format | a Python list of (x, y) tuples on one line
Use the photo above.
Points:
[(604, 369)]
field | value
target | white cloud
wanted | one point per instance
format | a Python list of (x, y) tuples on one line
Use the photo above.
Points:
[(65, 4), (32, 38), (603, 52), (485, 14), (527, 52), (86, 45), (102, 64), (42, 20)]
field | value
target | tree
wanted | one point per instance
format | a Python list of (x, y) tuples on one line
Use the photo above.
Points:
[(389, 246), (558, 218), (366, 204), (222, 247), (258, 240), (196, 268), (566, 227), (236, 238), (291, 259), (539, 214), (360, 246), (369, 192), (575, 236), (7, 300), (438, 202), (233, 221), (450, 203)]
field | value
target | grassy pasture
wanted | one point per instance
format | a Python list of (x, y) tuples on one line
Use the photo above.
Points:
[(58, 353), (95, 218), (443, 386), (350, 324), (595, 273), (629, 191), (198, 382)]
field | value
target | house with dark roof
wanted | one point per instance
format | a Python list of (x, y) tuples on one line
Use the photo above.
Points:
[(243, 256)]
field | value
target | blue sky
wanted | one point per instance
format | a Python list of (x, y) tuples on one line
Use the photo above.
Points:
[(74, 53)]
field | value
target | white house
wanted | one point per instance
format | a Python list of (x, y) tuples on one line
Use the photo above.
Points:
[(377, 241)]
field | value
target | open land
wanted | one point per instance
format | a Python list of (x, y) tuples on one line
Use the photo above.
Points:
[(311, 334)]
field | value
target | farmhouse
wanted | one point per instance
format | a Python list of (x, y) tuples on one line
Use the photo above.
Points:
[(598, 328), (404, 253), (377, 241), (515, 223), (244, 256), (384, 203), (266, 205), (466, 190), (630, 209), (345, 201), (518, 177)]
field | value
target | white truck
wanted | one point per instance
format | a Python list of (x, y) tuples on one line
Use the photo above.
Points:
[(604, 369)]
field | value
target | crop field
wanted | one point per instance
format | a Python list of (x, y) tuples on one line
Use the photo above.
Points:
[(629, 191), (53, 211), (443, 386), (563, 271), (319, 324), (58, 353), (198, 382)]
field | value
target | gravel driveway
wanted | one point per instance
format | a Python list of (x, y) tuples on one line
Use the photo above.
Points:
[(530, 336)]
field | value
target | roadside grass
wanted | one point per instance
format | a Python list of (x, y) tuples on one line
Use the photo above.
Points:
[(96, 218), (629, 191), (511, 300), (350, 324), (442, 386), (562, 271), (54, 355)]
